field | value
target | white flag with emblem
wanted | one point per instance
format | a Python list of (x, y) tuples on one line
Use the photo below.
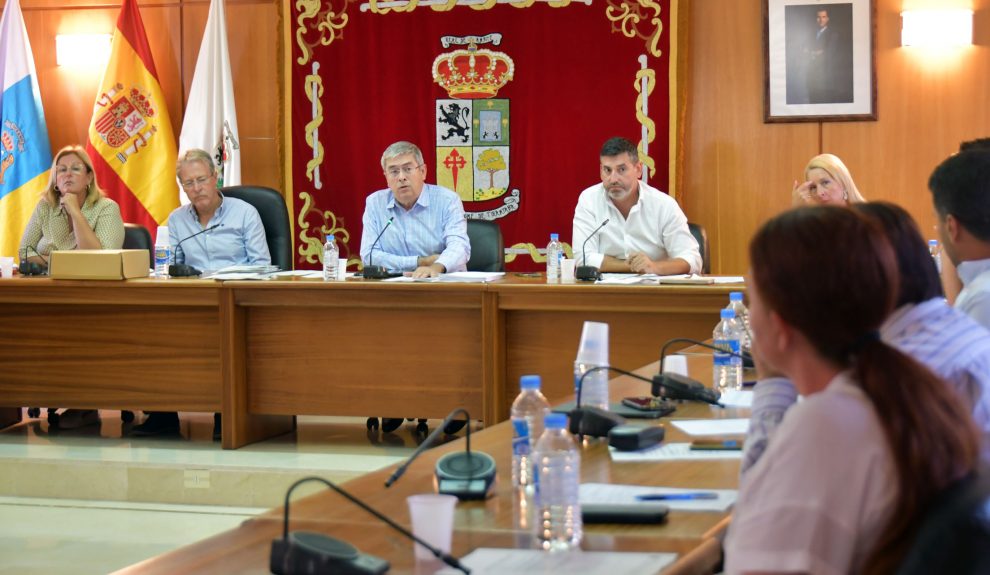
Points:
[(210, 122)]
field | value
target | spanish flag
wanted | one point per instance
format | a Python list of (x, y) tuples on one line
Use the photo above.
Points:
[(130, 136), (25, 154)]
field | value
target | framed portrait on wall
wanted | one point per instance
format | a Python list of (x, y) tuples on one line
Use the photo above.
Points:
[(819, 59)]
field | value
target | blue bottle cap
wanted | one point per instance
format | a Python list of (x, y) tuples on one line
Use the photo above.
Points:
[(728, 314), (329, 237), (530, 382), (554, 237), (735, 296), (555, 421), (933, 242)]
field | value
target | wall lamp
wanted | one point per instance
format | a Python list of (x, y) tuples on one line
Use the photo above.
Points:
[(937, 28), (82, 50)]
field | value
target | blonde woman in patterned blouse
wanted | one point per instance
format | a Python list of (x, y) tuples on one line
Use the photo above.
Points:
[(73, 213)]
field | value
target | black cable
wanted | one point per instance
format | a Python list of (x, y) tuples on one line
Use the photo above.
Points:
[(445, 557)]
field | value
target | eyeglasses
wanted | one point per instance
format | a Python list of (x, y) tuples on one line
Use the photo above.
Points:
[(406, 170), (75, 169), (200, 181)]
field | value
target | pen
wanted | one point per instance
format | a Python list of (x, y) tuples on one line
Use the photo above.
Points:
[(727, 445), (677, 496)]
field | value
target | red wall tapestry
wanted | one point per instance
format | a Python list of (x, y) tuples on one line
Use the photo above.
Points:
[(509, 101)]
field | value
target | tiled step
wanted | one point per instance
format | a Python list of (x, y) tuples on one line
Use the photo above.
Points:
[(102, 463)]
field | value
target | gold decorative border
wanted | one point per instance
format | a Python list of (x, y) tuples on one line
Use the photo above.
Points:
[(628, 16), (328, 23), (316, 122), (312, 248), (644, 120), (534, 252)]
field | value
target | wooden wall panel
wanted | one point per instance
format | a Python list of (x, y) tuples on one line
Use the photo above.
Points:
[(734, 163), (175, 30), (928, 102), (739, 171)]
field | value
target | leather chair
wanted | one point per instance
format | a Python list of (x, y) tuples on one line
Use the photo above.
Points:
[(954, 536), (698, 231), (137, 237), (487, 249), (274, 216)]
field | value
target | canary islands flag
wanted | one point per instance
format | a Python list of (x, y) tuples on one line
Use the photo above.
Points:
[(25, 154), (130, 136)]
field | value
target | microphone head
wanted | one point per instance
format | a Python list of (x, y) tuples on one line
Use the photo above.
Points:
[(677, 386), (183, 271), (587, 273), (374, 272), (593, 421), (307, 552), (465, 474)]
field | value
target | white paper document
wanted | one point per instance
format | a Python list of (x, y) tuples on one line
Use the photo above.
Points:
[(237, 276), (489, 561), (737, 398), (712, 426), (622, 279), (471, 276), (626, 494), (298, 273), (671, 452)]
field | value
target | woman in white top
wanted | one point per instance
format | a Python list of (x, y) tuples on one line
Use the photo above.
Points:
[(846, 477)]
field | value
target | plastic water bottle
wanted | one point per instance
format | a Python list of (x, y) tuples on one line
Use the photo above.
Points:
[(592, 352), (727, 367), (163, 252), (555, 252), (742, 318), (936, 251), (557, 518), (330, 255), (528, 411)]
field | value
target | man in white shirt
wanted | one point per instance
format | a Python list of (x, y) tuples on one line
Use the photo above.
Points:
[(961, 193), (647, 231)]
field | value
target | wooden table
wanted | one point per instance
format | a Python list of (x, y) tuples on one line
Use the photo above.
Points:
[(496, 522), (263, 352)]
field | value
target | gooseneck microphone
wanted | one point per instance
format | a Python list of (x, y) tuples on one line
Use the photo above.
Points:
[(674, 381), (182, 270), (27, 268), (466, 475), (306, 553), (584, 272), (371, 271)]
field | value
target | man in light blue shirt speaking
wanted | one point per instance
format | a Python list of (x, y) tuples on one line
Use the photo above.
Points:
[(240, 239), (428, 234)]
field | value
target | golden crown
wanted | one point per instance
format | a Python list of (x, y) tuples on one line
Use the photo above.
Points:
[(472, 73)]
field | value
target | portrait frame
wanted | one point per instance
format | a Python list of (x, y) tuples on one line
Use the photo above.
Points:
[(819, 61)]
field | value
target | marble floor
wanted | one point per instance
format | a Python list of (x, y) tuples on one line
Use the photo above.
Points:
[(93, 500)]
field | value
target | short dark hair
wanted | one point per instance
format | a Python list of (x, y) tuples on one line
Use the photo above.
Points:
[(919, 279), (960, 187), (616, 146), (977, 144)]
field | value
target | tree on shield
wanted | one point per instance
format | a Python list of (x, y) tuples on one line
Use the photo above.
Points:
[(491, 161)]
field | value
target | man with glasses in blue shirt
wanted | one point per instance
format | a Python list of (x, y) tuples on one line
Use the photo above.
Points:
[(428, 233), (240, 239)]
